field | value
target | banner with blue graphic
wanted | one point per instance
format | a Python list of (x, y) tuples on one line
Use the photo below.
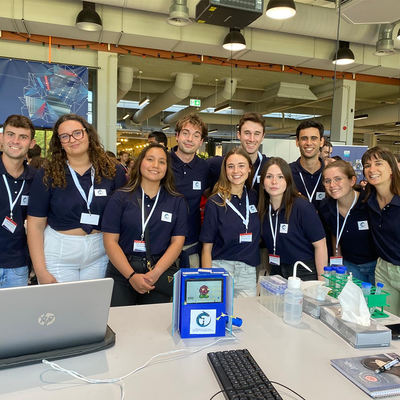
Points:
[(42, 92)]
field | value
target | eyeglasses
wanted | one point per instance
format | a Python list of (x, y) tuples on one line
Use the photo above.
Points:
[(77, 135), (336, 179)]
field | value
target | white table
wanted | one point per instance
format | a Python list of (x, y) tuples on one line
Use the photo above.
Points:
[(297, 357)]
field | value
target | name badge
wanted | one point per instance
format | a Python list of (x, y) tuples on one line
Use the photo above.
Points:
[(245, 238), (139, 245), (258, 178), (196, 185), (362, 225), (100, 192), (9, 224), (336, 260), (166, 217), (320, 195), (253, 209), (89, 219), (274, 259), (283, 228), (24, 200)]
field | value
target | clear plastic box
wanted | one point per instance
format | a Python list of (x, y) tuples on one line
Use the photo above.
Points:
[(272, 289)]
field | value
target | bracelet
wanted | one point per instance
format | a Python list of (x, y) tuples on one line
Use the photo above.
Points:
[(130, 276)]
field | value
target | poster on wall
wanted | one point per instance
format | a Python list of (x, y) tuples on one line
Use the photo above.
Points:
[(352, 154), (42, 92)]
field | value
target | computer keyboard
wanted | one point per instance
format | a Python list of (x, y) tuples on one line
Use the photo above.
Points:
[(239, 375)]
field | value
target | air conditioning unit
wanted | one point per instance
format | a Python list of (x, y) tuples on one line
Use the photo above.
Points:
[(229, 13)]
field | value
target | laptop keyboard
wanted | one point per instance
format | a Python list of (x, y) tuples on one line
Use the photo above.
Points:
[(239, 375)]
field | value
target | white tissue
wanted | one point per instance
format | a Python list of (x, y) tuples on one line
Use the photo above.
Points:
[(315, 289), (354, 307)]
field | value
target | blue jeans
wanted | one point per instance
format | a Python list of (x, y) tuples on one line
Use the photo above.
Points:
[(12, 277), (363, 272)]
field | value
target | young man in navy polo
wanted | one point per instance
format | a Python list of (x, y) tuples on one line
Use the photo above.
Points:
[(191, 179), (251, 132), (307, 170), (17, 176)]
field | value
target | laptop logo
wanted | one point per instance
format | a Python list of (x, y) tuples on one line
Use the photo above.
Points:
[(46, 319)]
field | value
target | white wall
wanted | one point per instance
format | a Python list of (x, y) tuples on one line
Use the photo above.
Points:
[(284, 148)]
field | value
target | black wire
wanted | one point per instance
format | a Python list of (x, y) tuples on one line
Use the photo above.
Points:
[(252, 386)]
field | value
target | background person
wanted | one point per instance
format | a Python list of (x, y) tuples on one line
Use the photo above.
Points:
[(352, 239), (149, 200), (383, 200), (231, 227), (158, 137), (67, 201), (17, 177), (292, 230)]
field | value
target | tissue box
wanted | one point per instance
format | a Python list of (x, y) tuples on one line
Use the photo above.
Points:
[(313, 306), (358, 336), (272, 289)]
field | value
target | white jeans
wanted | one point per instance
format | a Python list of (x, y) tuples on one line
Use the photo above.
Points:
[(244, 277), (74, 258)]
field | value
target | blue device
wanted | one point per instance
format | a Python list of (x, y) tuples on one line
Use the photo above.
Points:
[(205, 301)]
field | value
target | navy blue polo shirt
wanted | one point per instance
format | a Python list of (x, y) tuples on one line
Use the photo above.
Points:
[(310, 181), (13, 246), (63, 207), (356, 241), (294, 238), (123, 215), (216, 164), (385, 227), (222, 227), (191, 179)]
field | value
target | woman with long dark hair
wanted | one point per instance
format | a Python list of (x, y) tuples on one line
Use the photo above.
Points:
[(144, 229), (291, 228), (345, 215), (231, 227), (383, 200), (67, 200)]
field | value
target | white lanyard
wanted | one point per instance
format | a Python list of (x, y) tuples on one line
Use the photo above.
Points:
[(12, 203), (258, 169), (89, 199), (244, 220), (305, 187), (276, 226), (145, 222), (339, 234)]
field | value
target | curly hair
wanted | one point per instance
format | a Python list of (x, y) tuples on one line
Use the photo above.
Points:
[(223, 186), (55, 169), (195, 120)]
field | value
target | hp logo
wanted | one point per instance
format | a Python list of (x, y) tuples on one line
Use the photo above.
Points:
[(46, 319)]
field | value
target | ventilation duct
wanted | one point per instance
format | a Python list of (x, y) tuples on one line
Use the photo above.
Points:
[(211, 101), (125, 80), (179, 13), (385, 43), (175, 94)]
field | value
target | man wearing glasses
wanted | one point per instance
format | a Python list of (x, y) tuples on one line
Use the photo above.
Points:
[(191, 179), (307, 170), (17, 176)]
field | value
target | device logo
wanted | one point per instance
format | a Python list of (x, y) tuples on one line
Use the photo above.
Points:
[(46, 319), (203, 319)]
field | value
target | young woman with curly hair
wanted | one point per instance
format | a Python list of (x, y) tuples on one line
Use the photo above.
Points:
[(66, 205), (231, 227)]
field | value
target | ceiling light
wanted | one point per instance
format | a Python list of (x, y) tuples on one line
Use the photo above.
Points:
[(144, 101), (396, 143), (213, 131), (379, 133), (125, 116), (397, 123), (398, 35), (281, 9), (344, 55), (234, 40), (165, 128), (222, 108), (361, 116), (88, 19)]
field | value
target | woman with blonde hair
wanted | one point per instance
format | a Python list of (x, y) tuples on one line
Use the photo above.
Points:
[(231, 227)]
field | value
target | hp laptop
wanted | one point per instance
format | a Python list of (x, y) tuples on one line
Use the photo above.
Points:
[(36, 319)]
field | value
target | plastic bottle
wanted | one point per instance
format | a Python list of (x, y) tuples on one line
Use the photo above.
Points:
[(293, 299), (378, 288), (340, 278), (366, 288), (327, 273)]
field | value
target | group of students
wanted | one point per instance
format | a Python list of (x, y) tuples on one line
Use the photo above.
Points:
[(85, 221)]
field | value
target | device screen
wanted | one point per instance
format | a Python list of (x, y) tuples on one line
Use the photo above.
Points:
[(200, 291), (395, 331)]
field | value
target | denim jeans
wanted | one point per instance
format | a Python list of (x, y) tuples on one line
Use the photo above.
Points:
[(363, 272), (13, 277)]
